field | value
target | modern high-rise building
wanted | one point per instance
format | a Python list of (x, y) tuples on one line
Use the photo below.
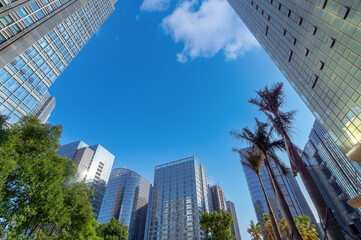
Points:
[(235, 227), (38, 40), (335, 175), (217, 199), (316, 45), (178, 198), (126, 199), (94, 165), (290, 190)]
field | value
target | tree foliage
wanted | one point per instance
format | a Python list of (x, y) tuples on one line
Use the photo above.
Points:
[(217, 226), (37, 201), (255, 230), (113, 230)]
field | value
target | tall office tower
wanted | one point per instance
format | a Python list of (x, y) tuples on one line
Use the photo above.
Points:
[(289, 188), (126, 199), (235, 226), (38, 40), (179, 196), (335, 176), (316, 45), (94, 165), (217, 199)]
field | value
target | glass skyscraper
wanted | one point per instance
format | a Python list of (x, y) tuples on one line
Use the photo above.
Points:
[(126, 199), (290, 190), (217, 199), (335, 176), (316, 45), (38, 40), (178, 198), (235, 227), (94, 165)]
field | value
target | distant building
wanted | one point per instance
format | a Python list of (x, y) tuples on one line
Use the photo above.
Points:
[(316, 45), (126, 199), (178, 198), (289, 187), (335, 176), (217, 199), (235, 226), (94, 165), (38, 40)]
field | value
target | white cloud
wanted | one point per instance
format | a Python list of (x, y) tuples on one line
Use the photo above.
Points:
[(205, 31), (155, 5)]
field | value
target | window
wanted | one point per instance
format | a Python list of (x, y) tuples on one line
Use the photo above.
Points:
[(314, 30), (344, 12), (289, 13), (22, 13), (2, 39), (284, 32), (307, 51), (279, 6), (324, 4), (315, 81), (294, 41), (7, 20), (290, 58), (268, 18), (300, 22), (322, 64), (332, 42), (266, 30)]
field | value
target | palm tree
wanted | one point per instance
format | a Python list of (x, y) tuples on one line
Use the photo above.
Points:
[(284, 229), (255, 230), (254, 161), (270, 101), (261, 138), (267, 226), (308, 231)]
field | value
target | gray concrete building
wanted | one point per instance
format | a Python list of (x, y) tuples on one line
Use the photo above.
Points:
[(316, 45), (38, 40), (235, 227), (94, 165), (335, 175), (217, 199), (179, 196), (126, 199)]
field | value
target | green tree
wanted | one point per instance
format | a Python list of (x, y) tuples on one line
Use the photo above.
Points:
[(284, 229), (270, 101), (217, 226), (113, 230), (254, 159), (267, 227), (255, 230), (307, 229), (261, 137), (37, 202)]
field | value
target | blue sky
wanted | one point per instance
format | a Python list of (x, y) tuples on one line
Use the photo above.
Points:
[(166, 80)]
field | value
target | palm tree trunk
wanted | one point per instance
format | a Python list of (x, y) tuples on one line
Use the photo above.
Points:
[(333, 228), (270, 211), (283, 204)]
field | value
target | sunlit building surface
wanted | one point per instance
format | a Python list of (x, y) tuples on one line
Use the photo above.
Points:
[(235, 227), (335, 175), (178, 198), (217, 199), (316, 45), (94, 164), (126, 199), (38, 40), (290, 190)]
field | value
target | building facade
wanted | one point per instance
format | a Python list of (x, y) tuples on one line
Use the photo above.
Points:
[(289, 188), (126, 199), (316, 45), (38, 40), (335, 175), (217, 199), (179, 196), (235, 227), (94, 164)]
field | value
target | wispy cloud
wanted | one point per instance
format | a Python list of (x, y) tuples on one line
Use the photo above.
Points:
[(155, 5), (208, 29)]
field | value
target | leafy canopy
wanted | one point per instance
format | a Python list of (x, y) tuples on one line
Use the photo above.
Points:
[(217, 226), (113, 230)]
